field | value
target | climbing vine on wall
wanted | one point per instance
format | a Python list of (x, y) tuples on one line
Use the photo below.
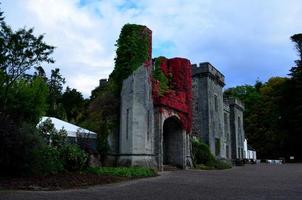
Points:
[(158, 75), (132, 51), (172, 87)]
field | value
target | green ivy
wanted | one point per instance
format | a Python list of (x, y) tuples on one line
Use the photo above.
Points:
[(161, 77), (132, 52)]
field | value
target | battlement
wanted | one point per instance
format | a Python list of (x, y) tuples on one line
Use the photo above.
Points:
[(208, 70), (235, 102)]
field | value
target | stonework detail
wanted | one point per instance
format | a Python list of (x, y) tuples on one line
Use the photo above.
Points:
[(137, 120), (217, 121), (208, 106), (156, 124), (236, 127)]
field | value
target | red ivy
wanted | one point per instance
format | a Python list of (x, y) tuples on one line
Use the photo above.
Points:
[(179, 97)]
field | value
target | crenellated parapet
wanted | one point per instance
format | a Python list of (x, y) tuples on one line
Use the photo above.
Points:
[(205, 69)]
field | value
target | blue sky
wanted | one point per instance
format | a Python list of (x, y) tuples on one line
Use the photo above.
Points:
[(245, 39)]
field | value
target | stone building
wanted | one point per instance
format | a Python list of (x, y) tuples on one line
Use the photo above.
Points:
[(236, 126), (151, 130), (156, 127), (208, 107), (218, 121)]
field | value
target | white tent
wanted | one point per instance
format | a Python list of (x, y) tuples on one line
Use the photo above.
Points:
[(70, 128), (250, 153)]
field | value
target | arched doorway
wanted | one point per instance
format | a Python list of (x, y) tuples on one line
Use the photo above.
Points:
[(173, 142)]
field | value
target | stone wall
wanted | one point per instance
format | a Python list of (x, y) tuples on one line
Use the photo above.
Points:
[(136, 140), (227, 130), (237, 129), (207, 107)]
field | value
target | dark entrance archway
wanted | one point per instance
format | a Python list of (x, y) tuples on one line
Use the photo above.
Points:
[(173, 142)]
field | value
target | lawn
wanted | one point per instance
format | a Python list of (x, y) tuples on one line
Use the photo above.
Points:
[(88, 177)]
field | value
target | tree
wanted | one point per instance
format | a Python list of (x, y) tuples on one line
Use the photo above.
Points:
[(294, 105), (20, 51), (104, 118), (296, 71), (27, 100), (40, 72), (74, 105), (52, 136), (264, 118), (55, 85)]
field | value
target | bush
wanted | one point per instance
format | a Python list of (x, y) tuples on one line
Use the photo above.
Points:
[(203, 158), (201, 153), (17, 144), (219, 164), (122, 171), (47, 161), (50, 133), (73, 157)]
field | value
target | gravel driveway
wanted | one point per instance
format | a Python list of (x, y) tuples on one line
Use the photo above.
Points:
[(261, 181)]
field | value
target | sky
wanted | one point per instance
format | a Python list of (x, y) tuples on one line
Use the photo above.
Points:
[(246, 40)]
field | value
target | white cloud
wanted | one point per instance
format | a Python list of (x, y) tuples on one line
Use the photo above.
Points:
[(240, 37)]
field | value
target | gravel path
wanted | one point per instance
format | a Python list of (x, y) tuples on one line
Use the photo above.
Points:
[(248, 182)]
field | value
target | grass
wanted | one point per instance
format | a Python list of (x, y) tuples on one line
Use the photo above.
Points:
[(122, 171)]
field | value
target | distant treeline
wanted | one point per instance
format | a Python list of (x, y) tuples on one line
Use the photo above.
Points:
[(273, 112)]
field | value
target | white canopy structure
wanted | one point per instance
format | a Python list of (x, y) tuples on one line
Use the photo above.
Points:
[(71, 129), (250, 153)]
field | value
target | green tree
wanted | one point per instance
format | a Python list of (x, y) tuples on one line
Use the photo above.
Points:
[(294, 105), (27, 100), (52, 136), (74, 104), (264, 115), (20, 51), (55, 85)]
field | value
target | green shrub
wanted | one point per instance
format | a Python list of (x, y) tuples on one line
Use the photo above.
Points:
[(17, 143), (201, 153), (220, 164), (203, 158), (47, 161), (73, 157), (122, 171), (48, 131)]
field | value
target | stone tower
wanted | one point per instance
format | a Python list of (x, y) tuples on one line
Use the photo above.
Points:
[(236, 127), (155, 125), (208, 107)]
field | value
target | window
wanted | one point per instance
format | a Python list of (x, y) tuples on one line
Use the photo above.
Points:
[(238, 152), (226, 128), (227, 151), (216, 102), (127, 123), (239, 131), (148, 125), (217, 146)]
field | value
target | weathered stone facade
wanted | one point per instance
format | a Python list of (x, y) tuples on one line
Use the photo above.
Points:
[(156, 127), (136, 141), (236, 126), (208, 107), (217, 121), (227, 130), (150, 136)]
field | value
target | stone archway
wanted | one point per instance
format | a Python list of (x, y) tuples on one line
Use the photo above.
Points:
[(173, 142)]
